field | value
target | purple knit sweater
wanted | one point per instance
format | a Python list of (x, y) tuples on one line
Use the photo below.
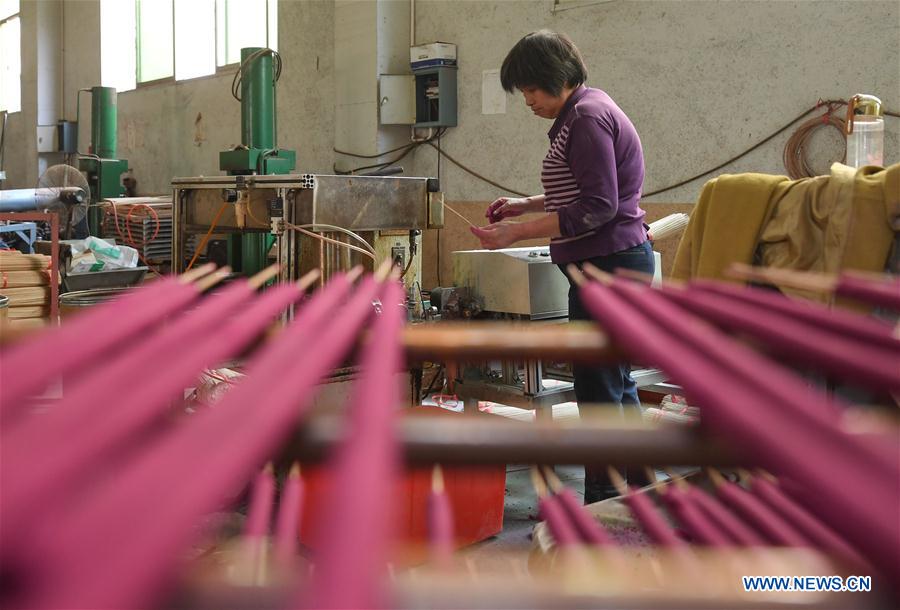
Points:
[(592, 177)]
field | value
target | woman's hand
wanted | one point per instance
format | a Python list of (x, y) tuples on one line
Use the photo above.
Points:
[(506, 207), (497, 235)]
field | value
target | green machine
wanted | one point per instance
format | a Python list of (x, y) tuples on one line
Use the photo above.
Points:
[(254, 88), (103, 170)]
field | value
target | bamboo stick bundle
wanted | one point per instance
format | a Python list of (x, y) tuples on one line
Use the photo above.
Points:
[(26, 324), (17, 261), (23, 279), (668, 225), (28, 311), (33, 295)]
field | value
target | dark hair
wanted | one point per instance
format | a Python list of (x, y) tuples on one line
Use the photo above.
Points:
[(545, 60)]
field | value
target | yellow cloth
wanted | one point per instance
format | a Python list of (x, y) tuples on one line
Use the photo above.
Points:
[(829, 224), (826, 224), (725, 224)]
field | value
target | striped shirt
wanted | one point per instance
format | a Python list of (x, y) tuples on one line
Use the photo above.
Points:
[(592, 177)]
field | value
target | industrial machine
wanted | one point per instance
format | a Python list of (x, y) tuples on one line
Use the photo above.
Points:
[(258, 154), (104, 171), (517, 281), (280, 205), (516, 284), (329, 222)]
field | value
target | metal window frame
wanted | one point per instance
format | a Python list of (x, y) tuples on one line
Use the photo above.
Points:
[(16, 15)]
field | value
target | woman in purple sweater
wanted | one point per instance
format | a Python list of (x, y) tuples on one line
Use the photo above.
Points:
[(592, 177)]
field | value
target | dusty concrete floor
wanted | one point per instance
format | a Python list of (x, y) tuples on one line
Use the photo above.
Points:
[(520, 512)]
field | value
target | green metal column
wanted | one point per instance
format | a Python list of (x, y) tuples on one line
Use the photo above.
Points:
[(257, 100), (104, 170), (104, 121), (260, 155), (257, 132)]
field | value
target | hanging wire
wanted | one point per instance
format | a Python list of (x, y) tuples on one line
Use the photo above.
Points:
[(238, 76)]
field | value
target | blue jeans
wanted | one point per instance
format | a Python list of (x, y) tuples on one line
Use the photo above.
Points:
[(609, 386)]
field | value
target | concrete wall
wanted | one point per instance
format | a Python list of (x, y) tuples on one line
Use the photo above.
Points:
[(702, 81)]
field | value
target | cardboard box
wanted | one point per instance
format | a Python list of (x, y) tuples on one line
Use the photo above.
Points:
[(432, 54)]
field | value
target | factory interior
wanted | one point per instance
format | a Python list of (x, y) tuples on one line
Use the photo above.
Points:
[(449, 304)]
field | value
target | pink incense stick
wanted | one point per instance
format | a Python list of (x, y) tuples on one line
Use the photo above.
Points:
[(692, 519), (881, 293), (739, 532), (749, 365), (820, 534), (354, 538), (863, 363), (440, 521), (562, 529), (60, 451), (70, 549), (320, 306), (28, 366), (650, 519), (262, 497), (286, 526), (805, 405), (813, 412), (747, 419), (776, 529), (590, 531), (259, 513), (838, 321)]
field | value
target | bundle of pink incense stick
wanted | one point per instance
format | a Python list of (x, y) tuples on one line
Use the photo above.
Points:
[(101, 495), (848, 494), (104, 492)]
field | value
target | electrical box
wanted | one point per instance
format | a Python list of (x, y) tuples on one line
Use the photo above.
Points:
[(396, 99), (435, 92), (46, 138)]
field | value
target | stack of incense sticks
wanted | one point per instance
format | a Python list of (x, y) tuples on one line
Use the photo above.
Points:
[(103, 492)]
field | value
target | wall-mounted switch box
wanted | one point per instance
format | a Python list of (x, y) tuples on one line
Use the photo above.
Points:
[(435, 91), (46, 138), (396, 99)]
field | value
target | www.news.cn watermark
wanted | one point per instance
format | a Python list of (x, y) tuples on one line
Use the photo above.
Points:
[(833, 584)]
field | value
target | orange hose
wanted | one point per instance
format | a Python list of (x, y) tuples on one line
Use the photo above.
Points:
[(206, 237)]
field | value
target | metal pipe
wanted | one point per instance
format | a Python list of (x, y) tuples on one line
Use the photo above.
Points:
[(26, 200)]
